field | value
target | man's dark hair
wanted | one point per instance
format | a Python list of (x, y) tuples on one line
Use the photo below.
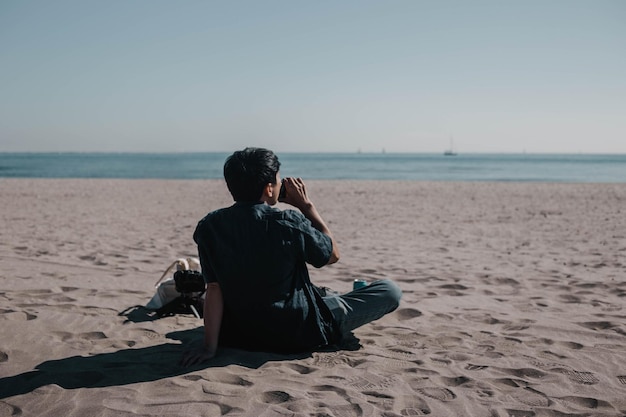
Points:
[(247, 172)]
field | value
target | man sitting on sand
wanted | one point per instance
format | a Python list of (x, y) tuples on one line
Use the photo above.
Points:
[(253, 256)]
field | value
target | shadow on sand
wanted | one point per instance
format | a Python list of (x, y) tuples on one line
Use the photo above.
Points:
[(128, 366), (131, 366)]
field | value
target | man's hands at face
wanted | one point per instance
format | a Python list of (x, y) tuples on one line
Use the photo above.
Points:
[(295, 193)]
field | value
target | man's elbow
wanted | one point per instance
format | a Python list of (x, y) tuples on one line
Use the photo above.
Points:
[(334, 257)]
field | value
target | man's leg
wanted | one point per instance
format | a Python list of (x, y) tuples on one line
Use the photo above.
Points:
[(364, 305)]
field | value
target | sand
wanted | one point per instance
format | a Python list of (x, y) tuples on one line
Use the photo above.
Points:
[(514, 303)]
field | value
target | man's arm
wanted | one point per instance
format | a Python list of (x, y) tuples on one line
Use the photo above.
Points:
[(296, 196), (213, 311)]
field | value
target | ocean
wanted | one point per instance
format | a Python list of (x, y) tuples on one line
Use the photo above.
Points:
[(572, 168)]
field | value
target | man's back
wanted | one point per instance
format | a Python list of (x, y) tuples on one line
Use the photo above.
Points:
[(258, 256)]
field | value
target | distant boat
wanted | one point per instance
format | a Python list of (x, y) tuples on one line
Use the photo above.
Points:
[(450, 151)]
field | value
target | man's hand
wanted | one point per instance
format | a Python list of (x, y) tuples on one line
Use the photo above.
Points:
[(196, 357), (295, 193)]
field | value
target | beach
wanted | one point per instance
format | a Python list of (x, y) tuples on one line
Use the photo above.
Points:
[(513, 302)]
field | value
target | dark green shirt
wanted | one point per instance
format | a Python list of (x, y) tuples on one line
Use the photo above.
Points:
[(258, 255)]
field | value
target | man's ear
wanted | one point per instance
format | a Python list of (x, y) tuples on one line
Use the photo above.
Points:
[(268, 192)]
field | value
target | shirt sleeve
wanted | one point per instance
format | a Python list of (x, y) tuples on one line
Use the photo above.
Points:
[(317, 247)]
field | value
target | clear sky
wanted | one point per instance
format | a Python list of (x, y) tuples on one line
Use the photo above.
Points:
[(330, 76)]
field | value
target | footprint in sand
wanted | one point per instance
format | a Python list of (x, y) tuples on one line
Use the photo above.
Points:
[(232, 380), (16, 315), (147, 334), (520, 413), (413, 406), (80, 340), (440, 394), (9, 410), (380, 400), (544, 365), (301, 369), (482, 318), (370, 272), (447, 341), (408, 314), (275, 397), (447, 317), (599, 325), (585, 402), (455, 381), (548, 354), (42, 292), (192, 378), (610, 346), (510, 382), (395, 358), (580, 377), (92, 336), (531, 397), (571, 345), (400, 365), (323, 393), (60, 298), (443, 361), (515, 327), (97, 259), (526, 373), (329, 359), (411, 341), (471, 367), (454, 287), (372, 382)]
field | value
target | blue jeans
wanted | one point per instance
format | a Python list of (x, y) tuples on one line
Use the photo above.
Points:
[(364, 305)]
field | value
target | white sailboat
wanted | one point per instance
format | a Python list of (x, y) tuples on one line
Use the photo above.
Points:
[(450, 151)]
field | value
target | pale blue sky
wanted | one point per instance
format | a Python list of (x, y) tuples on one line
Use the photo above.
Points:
[(331, 76)]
